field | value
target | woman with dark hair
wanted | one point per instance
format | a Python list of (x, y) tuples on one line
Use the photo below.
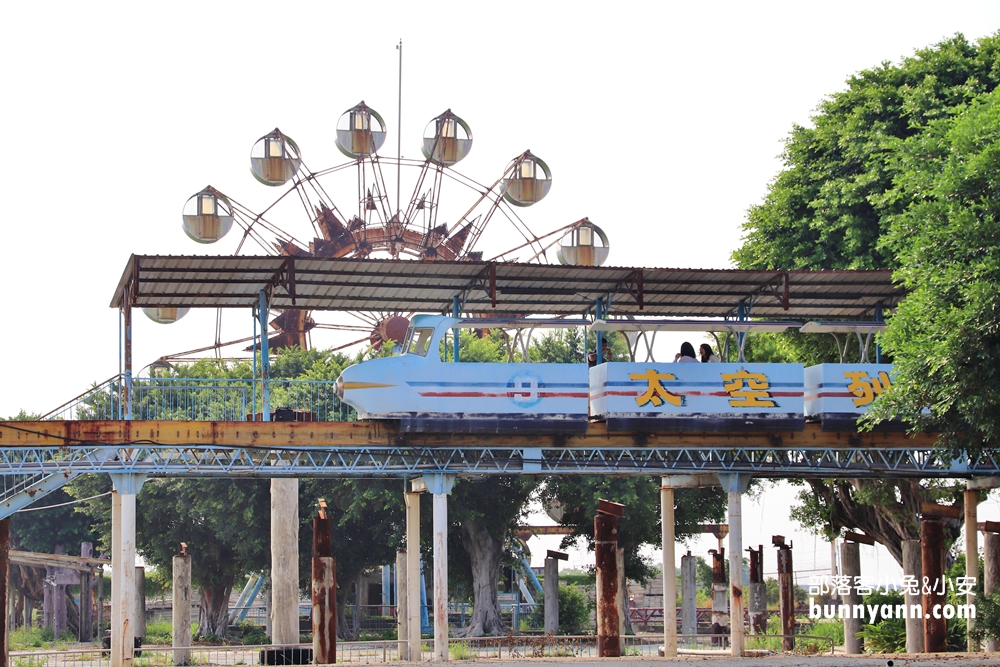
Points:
[(686, 355), (707, 356)]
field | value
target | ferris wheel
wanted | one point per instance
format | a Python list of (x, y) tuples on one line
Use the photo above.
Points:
[(351, 210)]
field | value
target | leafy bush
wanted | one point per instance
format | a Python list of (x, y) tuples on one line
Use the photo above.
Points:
[(574, 611), (160, 632), (831, 629)]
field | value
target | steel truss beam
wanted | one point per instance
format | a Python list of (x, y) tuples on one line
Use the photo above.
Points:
[(407, 461)]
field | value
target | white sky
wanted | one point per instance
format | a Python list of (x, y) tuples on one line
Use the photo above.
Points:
[(661, 123)]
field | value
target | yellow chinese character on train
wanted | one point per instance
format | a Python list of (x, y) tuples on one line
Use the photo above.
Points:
[(866, 388), (747, 390), (655, 392)]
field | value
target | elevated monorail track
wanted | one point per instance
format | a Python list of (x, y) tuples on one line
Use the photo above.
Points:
[(379, 449)]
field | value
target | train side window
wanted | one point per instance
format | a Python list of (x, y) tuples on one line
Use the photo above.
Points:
[(420, 341)]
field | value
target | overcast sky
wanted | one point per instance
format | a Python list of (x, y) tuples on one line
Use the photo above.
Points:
[(661, 122)]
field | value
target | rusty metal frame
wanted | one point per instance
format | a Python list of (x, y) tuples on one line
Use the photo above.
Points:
[(407, 461)]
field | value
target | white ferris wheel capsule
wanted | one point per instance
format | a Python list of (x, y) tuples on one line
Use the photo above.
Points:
[(528, 182), (360, 131), (585, 245), (274, 159), (207, 216), (447, 139)]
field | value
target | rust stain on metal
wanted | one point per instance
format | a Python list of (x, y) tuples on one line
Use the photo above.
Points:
[(786, 596), (605, 554), (932, 564), (324, 610)]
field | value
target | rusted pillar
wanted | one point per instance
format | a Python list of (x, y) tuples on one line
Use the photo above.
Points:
[(932, 564), (324, 591), (284, 560), (413, 575), (667, 536), (4, 582), (850, 560), (914, 621), (402, 621), (758, 592), (606, 556), (181, 609), (786, 592), (991, 571), (621, 600), (689, 602), (971, 558)]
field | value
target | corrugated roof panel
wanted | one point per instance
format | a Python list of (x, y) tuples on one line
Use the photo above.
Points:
[(367, 284)]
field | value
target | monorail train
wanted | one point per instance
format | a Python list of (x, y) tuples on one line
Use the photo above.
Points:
[(429, 394)]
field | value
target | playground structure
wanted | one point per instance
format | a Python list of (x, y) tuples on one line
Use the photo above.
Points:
[(698, 447)]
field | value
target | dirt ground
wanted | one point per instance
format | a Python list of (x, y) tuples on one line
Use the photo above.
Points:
[(901, 660)]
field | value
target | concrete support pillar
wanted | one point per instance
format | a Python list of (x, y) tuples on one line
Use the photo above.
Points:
[(991, 572), (324, 591), (668, 538), (402, 608), (971, 557), (181, 610), (140, 603), (850, 560), (734, 485), (689, 602), (932, 563), (413, 579), (757, 592), (284, 560), (86, 633), (720, 597), (606, 557), (551, 590), (440, 486), (127, 486), (914, 623), (786, 595)]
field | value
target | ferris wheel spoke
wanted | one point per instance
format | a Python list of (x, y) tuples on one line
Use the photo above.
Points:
[(381, 226)]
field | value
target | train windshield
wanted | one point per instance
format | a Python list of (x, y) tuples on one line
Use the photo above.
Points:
[(420, 341)]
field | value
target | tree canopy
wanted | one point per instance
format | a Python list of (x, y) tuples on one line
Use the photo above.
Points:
[(945, 336), (831, 204), (897, 172)]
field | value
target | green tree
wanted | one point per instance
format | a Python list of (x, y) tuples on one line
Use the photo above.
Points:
[(832, 203), (224, 522), (945, 336), (848, 198)]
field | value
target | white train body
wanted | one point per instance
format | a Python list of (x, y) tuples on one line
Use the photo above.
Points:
[(428, 394)]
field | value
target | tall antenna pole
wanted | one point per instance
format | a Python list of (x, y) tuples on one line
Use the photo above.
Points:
[(399, 135)]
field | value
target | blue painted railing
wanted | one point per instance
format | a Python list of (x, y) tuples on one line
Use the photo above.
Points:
[(196, 399)]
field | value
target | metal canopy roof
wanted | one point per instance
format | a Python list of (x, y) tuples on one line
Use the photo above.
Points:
[(498, 288)]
